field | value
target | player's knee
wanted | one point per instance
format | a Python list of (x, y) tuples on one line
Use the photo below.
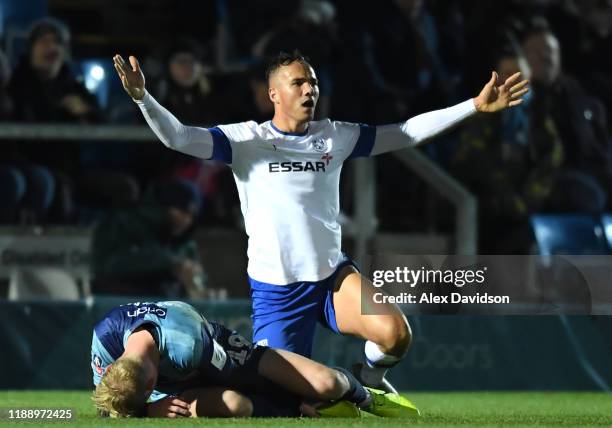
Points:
[(395, 336), (237, 405), (327, 384)]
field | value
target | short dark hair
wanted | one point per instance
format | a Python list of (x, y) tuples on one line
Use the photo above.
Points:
[(284, 58), (535, 26)]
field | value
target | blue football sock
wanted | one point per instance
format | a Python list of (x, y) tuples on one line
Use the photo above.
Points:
[(356, 393)]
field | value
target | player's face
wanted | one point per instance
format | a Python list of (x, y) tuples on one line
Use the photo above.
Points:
[(294, 90)]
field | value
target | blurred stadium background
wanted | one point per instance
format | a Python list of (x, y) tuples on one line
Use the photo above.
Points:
[(80, 172)]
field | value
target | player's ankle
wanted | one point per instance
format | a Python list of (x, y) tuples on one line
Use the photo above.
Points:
[(367, 402), (372, 376), (355, 393)]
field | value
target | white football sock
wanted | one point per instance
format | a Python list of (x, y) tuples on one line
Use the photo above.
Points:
[(377, 364)]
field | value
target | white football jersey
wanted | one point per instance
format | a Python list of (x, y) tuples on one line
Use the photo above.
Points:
[(289, 193), (289, 183)]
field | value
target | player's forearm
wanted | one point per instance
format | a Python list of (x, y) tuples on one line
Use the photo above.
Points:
[(420, 128), (172, 133)]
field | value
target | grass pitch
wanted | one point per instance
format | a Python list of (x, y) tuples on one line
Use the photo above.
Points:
[(467, 409)]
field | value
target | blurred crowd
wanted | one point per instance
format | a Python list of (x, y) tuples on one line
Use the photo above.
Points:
[(376, 64)]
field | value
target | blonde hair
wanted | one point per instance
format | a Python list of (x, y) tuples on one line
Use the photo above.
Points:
[(121, 392)]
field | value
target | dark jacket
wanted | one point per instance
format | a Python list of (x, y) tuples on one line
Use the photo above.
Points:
[(580, 121), (36, 100), (134, 253)]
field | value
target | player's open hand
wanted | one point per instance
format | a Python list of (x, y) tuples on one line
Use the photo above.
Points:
[(170, 407), (495, 97), (131, 76)]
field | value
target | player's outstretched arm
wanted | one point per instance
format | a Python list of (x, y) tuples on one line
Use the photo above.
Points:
[(172, 133), (416, 130)]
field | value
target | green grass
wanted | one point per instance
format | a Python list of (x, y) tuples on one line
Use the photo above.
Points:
[(467, 409)]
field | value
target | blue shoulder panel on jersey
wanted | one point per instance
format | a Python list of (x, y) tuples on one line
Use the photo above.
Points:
[(222, 150), (365, 142), (109, 337)]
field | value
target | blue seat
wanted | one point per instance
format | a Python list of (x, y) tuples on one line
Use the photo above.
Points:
[(570, 234)]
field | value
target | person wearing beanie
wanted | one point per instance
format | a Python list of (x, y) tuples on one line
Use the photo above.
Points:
[(180, 194), (183, 202), (43, 87), (149, 250)]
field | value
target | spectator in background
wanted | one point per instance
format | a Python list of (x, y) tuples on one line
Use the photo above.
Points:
[(562, 110), (591, 35), (185, 88), (149, 250), (190, 92), (515, 174), (43, 87), (27, 190)]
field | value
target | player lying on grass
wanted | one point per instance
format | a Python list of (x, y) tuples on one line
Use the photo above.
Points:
[(287, 171), (166, 359)]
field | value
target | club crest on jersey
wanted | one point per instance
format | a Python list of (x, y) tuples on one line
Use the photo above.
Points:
[(97, 361), (319, 145)]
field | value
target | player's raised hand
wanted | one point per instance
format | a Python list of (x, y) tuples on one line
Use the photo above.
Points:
[(131, 76), (495, 97)]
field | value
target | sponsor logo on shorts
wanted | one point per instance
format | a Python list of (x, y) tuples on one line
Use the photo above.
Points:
[(262, 342)]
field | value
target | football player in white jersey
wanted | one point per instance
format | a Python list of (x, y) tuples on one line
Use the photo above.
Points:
[(287, 172)]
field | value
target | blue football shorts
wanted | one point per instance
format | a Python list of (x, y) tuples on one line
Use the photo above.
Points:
[(285, 316)]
